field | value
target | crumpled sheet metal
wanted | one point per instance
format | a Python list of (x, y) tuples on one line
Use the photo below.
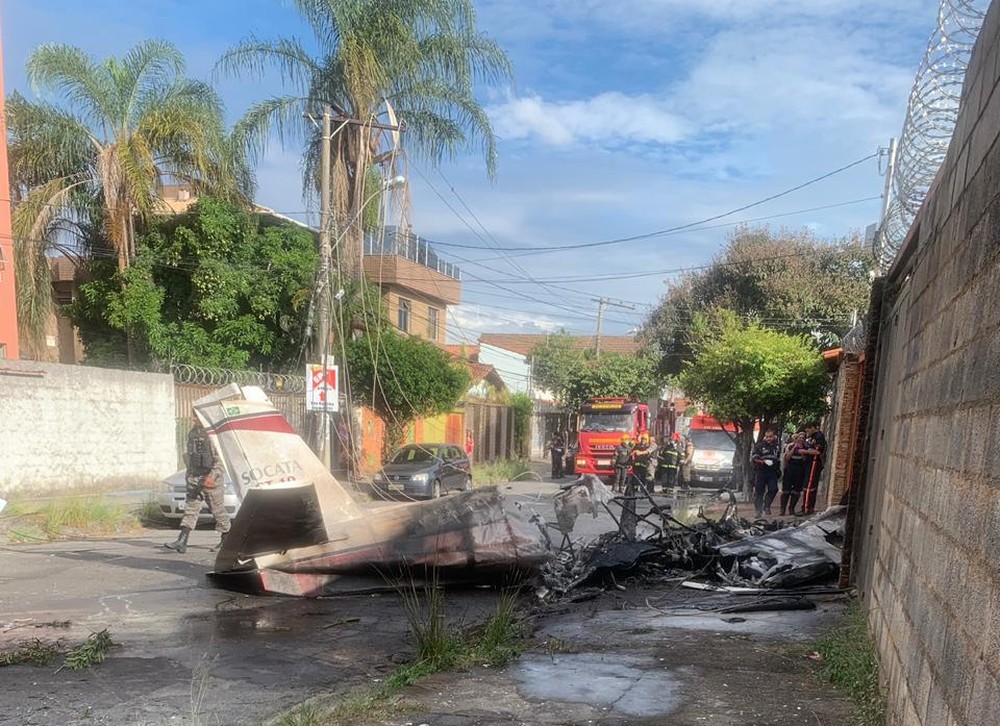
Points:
[(791, 556), (729, 550), (583, 496), (300, 532)]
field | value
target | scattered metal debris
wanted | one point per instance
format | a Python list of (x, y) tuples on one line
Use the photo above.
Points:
[(728, 554)]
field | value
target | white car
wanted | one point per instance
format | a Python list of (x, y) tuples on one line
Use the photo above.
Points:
[(171, 498)]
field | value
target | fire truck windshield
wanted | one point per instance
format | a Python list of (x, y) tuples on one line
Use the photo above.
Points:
[(610, 421)]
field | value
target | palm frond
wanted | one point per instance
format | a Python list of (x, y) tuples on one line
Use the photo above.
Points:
[(34, 224), (256, 56), (71, 72), (44, 142)]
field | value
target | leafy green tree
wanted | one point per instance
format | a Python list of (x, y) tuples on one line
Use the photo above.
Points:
[(522, 405), (611, 375), (217, 287), (378, 62), (746, 374), (555, 360), (404, 378), (97, 155), (787, 281)]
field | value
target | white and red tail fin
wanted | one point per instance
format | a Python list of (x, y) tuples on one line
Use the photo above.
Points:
[(261, 451)]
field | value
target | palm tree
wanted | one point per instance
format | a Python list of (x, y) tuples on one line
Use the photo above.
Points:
[(417, 61), (100, 154)]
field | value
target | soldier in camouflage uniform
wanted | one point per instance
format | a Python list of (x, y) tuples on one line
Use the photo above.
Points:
[(204, 486)]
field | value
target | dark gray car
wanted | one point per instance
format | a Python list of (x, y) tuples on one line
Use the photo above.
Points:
[(424, 470)]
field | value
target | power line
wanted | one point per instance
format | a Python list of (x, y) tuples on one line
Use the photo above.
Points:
[(670, 230)]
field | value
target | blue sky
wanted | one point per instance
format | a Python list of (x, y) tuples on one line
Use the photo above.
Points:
[(626, 117)]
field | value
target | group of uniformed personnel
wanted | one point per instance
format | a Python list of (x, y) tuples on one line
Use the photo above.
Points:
[(798, 465), (645, 455)]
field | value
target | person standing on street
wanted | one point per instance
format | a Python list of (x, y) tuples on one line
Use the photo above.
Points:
[(815, 454), (204, 485), (669, 462), (557, 450), (793, 473), (621, 459), (641, 455), (767, 461)]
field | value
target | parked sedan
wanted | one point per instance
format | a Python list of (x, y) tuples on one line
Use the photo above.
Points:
[(171, 498), (424, 470)]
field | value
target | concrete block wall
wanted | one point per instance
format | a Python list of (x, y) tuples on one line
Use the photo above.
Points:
[(66, 427), (929, 538)]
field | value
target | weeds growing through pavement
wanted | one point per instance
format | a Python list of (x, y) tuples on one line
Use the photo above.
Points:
[(850, 661), (439, 646), (500, 472), (84, 516)]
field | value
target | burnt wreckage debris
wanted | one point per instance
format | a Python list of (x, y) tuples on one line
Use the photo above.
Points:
[(681, 543)]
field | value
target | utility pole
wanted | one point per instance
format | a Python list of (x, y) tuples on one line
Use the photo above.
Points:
[(322, 342), (890, 177), (603, 302)]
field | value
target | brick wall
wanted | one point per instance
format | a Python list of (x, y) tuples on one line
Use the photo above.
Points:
[(844, 418), (927, 540)]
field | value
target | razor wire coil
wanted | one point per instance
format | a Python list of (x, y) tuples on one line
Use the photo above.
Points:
[(217, 377), (931, 116)]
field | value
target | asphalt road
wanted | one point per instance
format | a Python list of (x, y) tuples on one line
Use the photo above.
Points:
[(187, 653)]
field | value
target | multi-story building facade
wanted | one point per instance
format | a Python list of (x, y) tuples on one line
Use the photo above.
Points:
[(417, 285)]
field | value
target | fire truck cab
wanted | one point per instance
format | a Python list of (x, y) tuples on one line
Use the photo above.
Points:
[(600, 425)]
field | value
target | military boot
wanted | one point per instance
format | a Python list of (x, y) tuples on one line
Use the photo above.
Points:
[(181, 543), (222, 541)]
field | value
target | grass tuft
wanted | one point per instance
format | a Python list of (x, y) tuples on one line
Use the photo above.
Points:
[(30, 521), (851, 662), (440, 646), (500, 471)]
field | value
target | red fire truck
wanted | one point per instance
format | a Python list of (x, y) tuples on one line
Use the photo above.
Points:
[(600, 425)]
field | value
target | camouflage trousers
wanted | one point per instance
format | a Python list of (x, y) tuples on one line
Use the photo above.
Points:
[(198, 496)]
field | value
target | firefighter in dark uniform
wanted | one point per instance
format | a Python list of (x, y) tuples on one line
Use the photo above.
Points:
[(766, 459), (204, 485), (620, 460), (670, 457), (641, 455), (557, 449), (815, 455)]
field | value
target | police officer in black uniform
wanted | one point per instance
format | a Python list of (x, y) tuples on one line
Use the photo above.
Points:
[(557, 450), (641, 455), (767, 462)]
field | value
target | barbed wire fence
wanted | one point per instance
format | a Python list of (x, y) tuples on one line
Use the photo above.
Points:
[(217, 377), (931, 115)]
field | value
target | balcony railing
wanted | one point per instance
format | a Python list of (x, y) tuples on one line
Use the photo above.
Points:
[(408, 245)]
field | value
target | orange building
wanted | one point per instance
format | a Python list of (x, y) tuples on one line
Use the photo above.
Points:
[(9, 347)]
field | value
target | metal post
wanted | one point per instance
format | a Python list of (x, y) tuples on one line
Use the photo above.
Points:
[(890, 177), (601, 302)]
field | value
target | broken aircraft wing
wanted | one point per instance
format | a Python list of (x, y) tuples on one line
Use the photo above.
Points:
[(300, 532)]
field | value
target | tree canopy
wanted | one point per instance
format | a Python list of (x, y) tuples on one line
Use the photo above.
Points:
[(216, 287), (787, 281), (745, 374), (378, 62), (96, 155), (574, 375), (403, 378)]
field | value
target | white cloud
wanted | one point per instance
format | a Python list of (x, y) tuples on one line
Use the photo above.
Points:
[(469, 320), (609, 118)]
